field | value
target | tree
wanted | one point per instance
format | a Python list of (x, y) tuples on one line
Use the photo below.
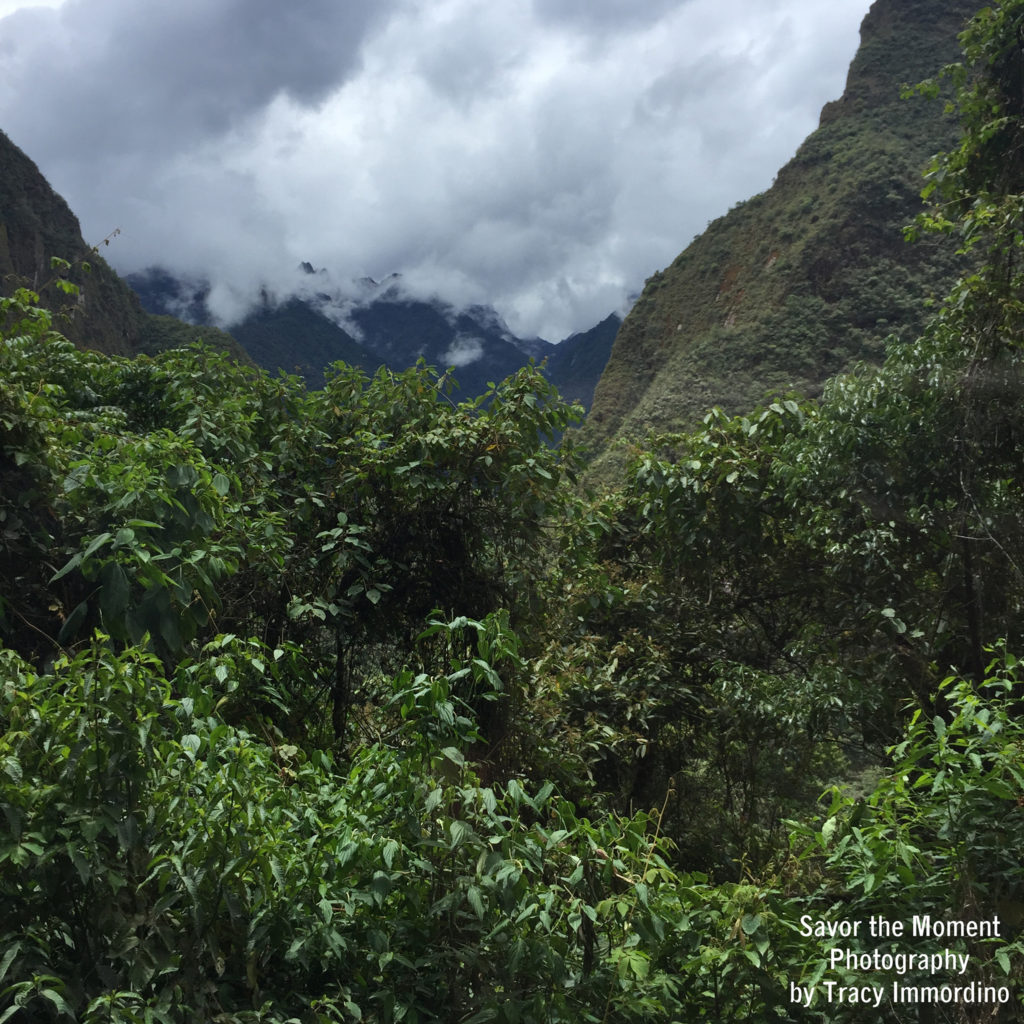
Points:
[(977, 189)]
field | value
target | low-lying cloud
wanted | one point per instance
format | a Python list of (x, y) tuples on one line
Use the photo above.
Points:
[(462, 351)]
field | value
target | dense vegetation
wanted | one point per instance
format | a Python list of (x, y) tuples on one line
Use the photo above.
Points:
[(348, 705)]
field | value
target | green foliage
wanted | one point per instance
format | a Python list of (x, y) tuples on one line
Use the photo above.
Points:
[(976, 190), (847, 553), (187, 495), (340, 705), (937, 838), (688, 663), (157, 857)]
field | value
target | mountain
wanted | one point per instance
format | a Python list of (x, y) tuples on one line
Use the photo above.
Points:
[(36, 225), (153, 310), (575, 365), (475, 341), (797, 283), (370, 324), (268, 334)]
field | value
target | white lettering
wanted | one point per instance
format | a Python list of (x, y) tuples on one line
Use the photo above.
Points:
[(828, 929)]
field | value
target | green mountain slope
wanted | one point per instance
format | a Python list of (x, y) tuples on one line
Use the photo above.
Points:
[(797, 283), (36, 224), (296, 338)]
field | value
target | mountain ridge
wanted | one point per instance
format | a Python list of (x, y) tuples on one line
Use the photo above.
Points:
[(36, 225), (797, 283), (370, 323)]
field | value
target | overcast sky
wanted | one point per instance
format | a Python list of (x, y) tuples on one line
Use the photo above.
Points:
[(543, 156)]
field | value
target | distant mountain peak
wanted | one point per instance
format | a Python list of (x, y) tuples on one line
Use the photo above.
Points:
[(369, 323)]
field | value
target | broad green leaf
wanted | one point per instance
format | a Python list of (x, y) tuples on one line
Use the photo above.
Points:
[(96, 544), (73, 622), (114, 595)]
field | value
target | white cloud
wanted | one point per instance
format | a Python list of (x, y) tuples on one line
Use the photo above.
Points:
[(545, 158), (10, 6), (462, 351)]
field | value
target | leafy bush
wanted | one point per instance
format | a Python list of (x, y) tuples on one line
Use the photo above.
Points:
[(163, 863)]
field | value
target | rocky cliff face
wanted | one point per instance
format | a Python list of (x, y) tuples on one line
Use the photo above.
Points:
[(794, 285), (35, 225)]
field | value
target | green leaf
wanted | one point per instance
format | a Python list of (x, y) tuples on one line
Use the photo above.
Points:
[(114, 594), (73, 622), (639, 964), (475, 901), (9, 955), (57, 999), (73, 563), (454, 755), (96, 544), (460, 831), (12, 768), (828, 829), (999, 789), (169, 630)]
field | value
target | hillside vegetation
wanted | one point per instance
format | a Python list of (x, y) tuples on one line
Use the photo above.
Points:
[(345, 705), (802, 281)]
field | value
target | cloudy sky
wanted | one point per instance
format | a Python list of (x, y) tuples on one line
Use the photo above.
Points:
[(543, 156)]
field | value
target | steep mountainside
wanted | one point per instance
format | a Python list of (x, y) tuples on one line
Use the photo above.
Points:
[(792, 286), (575, 365), (36, 224)]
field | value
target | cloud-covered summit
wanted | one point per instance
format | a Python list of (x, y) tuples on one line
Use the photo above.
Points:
[(543, 157)]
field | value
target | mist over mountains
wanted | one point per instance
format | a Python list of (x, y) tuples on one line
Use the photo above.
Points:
[(370, 323), (310, 321), (540, 157), (787, 289)]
